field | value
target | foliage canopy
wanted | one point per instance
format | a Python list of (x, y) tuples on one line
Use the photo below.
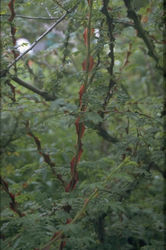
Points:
[(82, 139)]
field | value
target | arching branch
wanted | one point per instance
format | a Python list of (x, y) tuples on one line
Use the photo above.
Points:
[(26, 85)]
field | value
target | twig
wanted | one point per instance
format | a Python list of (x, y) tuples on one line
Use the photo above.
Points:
[(122, 21), (32, 17), (46, 9), (59, 4), (38, 40)]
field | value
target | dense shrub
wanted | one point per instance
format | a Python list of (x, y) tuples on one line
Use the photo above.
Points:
[(82, 138)]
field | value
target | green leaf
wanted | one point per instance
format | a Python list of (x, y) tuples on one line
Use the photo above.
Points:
[(156, 242), (94, 117), (123, 175), (116, 205)]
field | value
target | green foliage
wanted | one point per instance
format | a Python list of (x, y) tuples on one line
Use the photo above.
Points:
[(82, 168)]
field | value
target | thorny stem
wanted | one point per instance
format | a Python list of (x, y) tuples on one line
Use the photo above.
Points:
[(85, 86), (13, 203)]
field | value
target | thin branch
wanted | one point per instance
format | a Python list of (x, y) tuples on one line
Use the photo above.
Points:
[(121, 21), (38, 40), (124, 22), (46, 9), (44, 94), (32, 17), (59, 4)]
